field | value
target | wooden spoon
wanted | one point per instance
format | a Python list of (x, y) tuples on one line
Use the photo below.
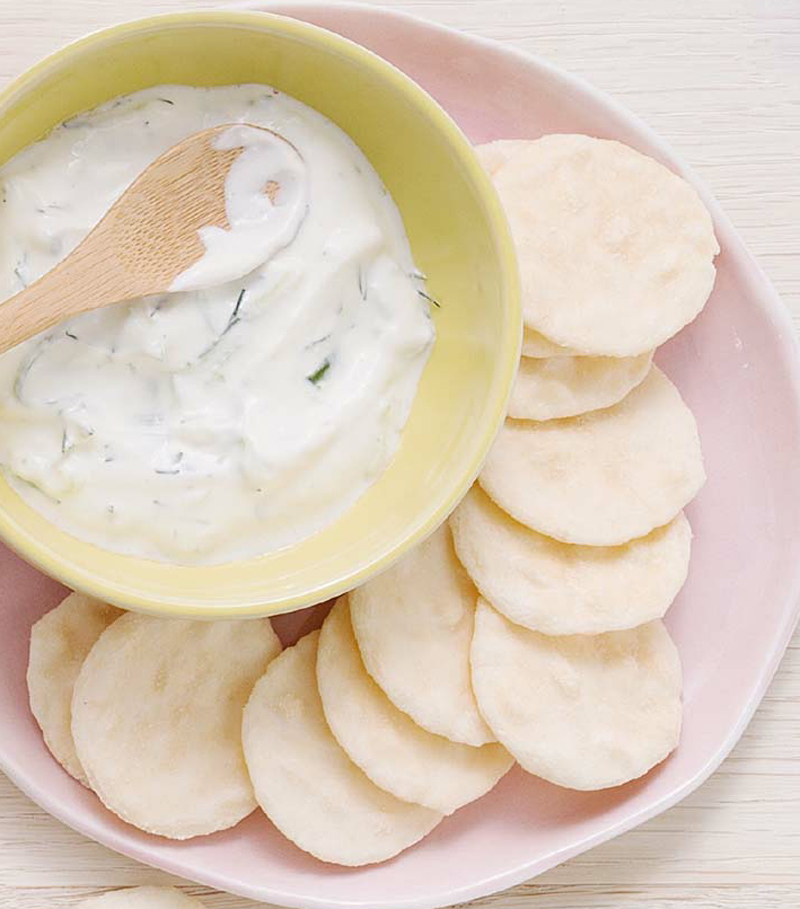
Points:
[(148, 237)]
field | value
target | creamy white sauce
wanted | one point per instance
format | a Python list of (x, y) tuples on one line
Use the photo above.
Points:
[(227, 421), (266, 199)]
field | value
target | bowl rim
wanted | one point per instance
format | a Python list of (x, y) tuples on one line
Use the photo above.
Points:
[(85, 579)]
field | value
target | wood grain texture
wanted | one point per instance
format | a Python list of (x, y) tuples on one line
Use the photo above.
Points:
[(148, 237), (720, 81)]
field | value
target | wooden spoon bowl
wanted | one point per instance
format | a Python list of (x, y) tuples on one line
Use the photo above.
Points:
[(149, 237)]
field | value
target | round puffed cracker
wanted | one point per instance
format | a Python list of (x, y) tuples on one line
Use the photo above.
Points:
[(602, 478), (493, 155), (142, 898), (582, 711), (567, 386), (558, 588), (60, 641), (156, 718), (537, 347), (615, 251), (413, 624), (396, 754), (306, 784)]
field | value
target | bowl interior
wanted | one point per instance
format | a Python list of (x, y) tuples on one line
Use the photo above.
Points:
[(459, 239)]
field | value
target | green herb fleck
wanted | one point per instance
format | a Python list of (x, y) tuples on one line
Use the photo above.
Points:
[(233, 320), (235, 314), (430, 299), (318, 341), (75, 123), (316, 377)]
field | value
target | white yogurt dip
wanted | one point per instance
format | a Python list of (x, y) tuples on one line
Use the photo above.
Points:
[(266, 200), (225, 421)]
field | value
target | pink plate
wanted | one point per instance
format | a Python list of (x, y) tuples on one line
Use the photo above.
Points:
[(737, 368)]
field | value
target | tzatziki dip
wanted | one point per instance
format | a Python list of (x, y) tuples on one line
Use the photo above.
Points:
[(225, 420)]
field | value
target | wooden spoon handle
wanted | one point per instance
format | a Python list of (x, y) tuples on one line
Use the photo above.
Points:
[(72, 287), (147, 237)]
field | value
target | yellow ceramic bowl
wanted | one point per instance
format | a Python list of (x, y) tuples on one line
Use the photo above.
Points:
[(459, 238)]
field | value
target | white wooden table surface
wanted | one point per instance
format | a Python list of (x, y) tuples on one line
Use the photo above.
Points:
[(720, 80)]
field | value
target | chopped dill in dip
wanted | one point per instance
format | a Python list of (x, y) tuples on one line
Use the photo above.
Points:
[(223, 422)]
